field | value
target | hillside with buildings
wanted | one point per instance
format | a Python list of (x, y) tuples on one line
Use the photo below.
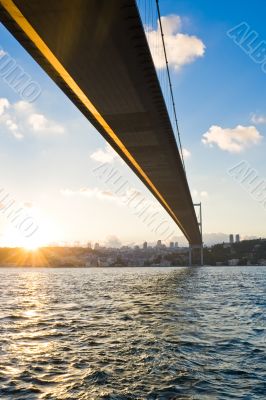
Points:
[(245, 252)]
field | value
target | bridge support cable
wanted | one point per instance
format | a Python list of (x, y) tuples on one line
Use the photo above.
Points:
[(151, 18), (170, 83)]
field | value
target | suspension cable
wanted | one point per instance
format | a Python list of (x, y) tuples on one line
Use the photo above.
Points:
[(170, 84)]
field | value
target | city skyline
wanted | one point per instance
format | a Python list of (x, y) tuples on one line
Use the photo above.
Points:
[(49, 151), (132, 199)]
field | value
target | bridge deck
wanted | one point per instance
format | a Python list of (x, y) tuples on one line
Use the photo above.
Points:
[(97, 53)]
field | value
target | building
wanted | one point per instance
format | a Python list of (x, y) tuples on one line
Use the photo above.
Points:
[(96, 246), (176, 245), (165, 263), (145, 246), (233, 262), (237, 238), (159, 244), (231, 238), (89, 245), (226, 246), (171, 245)]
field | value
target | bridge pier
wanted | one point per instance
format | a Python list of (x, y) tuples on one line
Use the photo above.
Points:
[(190, 254), (196, 246)]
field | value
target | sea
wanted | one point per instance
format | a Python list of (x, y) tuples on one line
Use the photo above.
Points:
[(133, 333)]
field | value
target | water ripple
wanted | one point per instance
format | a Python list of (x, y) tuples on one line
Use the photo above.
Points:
[(121, 334)]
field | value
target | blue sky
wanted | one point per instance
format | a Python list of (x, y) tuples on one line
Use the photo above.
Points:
[(50, 168)]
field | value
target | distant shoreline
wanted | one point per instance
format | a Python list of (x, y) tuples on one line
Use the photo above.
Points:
[(126, 267)]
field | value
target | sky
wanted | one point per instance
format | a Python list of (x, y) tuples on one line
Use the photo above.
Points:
[(49, 151)]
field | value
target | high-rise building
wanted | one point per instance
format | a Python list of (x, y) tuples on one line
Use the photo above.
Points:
[(171, 245), (96, 246), (176, 244), (89, 245), (237, 238), (231, 238), (145, 245), (159, 243)]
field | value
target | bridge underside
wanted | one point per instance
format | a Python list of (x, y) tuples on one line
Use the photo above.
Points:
[(96, 51)]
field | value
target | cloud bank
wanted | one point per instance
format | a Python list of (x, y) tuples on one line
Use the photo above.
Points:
[(181, 48), (233, 140), (258, 119), (22, 118)]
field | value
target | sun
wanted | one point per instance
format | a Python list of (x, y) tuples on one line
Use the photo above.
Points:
[(36, 242), (48, 232), (31, 246)]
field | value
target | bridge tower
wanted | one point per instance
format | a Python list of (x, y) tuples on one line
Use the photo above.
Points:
[(197, 246)]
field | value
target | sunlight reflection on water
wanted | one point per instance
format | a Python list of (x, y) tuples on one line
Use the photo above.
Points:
[(140, 333)]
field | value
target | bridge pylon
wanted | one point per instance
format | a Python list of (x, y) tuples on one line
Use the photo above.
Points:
[(197, 246)]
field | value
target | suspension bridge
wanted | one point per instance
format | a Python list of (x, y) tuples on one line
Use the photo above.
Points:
[(97, 52)]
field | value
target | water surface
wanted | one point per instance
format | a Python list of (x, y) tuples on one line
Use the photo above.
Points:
[(140, 333)]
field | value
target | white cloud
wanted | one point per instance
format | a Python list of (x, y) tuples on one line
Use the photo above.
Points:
[(89, 192), (39, 123), (181, 48), (7, 121), (113, 241), (171, 24), (204, 194), (106, 155), (186, 153), (233, 140), (130, 198), (23, 106), (258, 119), (12, 126), (4, 104), (200, 194), (2, 53), (21, 118)]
